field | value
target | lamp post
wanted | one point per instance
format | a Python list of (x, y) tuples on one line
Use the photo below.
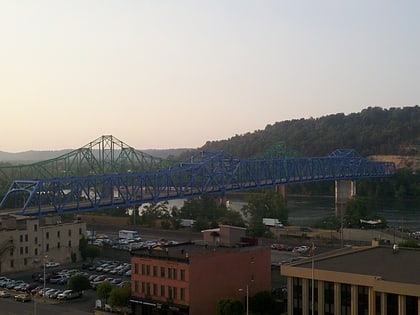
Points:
[(247, 298), (45, 262)]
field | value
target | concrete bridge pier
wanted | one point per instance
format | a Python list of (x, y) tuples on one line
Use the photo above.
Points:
[(344, 191)]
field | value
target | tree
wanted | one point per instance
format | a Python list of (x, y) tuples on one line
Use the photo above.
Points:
[(120, 296), (83, 243), (78, 283), (103, 290), (229, 306), (262, 302), (92, 252)]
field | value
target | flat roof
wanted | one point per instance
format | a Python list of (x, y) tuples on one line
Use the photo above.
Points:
[(184, 250), (402, 266)]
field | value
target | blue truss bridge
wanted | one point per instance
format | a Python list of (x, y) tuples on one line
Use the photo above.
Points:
[(116, 178)]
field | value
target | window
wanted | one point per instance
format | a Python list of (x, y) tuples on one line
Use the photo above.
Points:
[(21, 250), (345, 298), (35, 227), (47, 235), (148, 270), (155, 289), (136, 268), (69, 243), (36, 252), (136, 286), (143, 287), (69, 232), (80, 231), (25, 261), (162, 272), (21, 238), (26, 237), (391, 303), (58, 234), (26, 249), (169, 273), (182, 292), (329, 297), (162, 290), (58, 244), (147, 288), (175, 292), (297, 296), (411, 304), (170, 294), (363, 300), (36, 240), (12, 264), (182, 274), (47, 247), (155, 271), (175, 274)]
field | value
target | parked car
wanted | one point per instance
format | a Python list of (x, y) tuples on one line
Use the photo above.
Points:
[(4, 294), (51, 264), (69, 294), (24, 297)]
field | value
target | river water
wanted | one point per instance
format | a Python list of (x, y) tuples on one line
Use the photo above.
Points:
[(305, 211)]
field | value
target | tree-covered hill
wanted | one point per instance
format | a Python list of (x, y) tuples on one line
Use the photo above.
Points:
[(373, 131)]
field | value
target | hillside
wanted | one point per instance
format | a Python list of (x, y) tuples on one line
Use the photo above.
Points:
[(373, 131)]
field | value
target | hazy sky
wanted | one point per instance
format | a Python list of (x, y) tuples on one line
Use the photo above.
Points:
[(170, 74)]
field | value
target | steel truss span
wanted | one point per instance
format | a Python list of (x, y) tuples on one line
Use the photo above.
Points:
[(204, 173)]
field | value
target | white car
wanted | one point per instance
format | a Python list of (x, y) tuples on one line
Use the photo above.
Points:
[(68, 294), (51, 264)]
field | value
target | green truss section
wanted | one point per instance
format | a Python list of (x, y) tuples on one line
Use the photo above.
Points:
[(105, 155)]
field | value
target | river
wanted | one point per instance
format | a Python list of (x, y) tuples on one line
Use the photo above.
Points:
[(305, 211)]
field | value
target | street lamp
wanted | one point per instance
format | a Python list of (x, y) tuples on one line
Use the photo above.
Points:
[(247, 298), (45, 262)]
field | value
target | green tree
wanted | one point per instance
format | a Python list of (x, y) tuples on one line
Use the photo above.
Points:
[(78, 283), (262, 302), (92, 252), (120, 296), (83, 243), (103, 290), (229, 306)]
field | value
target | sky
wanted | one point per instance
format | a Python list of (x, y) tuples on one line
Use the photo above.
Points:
[(163, 74)]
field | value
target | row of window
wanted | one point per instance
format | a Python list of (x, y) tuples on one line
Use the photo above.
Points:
[(156, 290), (411, 302), (47, 248), (162, 272), (47, 235)]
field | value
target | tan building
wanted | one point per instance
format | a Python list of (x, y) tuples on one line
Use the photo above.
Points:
[(25, 242), (191, 278), (352, 281)]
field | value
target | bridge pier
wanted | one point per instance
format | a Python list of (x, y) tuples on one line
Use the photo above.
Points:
[(344, 191), (281, 189)]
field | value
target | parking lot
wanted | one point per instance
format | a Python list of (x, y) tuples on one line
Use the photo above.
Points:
[(30, 286)]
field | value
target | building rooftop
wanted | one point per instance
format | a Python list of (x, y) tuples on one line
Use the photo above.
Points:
[(183, 251), (380, 261)]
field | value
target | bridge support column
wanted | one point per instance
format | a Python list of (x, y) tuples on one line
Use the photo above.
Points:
[(344, 191), (282, 190)]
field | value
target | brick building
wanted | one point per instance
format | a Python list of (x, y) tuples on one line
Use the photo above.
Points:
[(191, 278)]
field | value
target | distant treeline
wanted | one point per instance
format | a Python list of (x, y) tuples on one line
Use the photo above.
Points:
[(373, 131)]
